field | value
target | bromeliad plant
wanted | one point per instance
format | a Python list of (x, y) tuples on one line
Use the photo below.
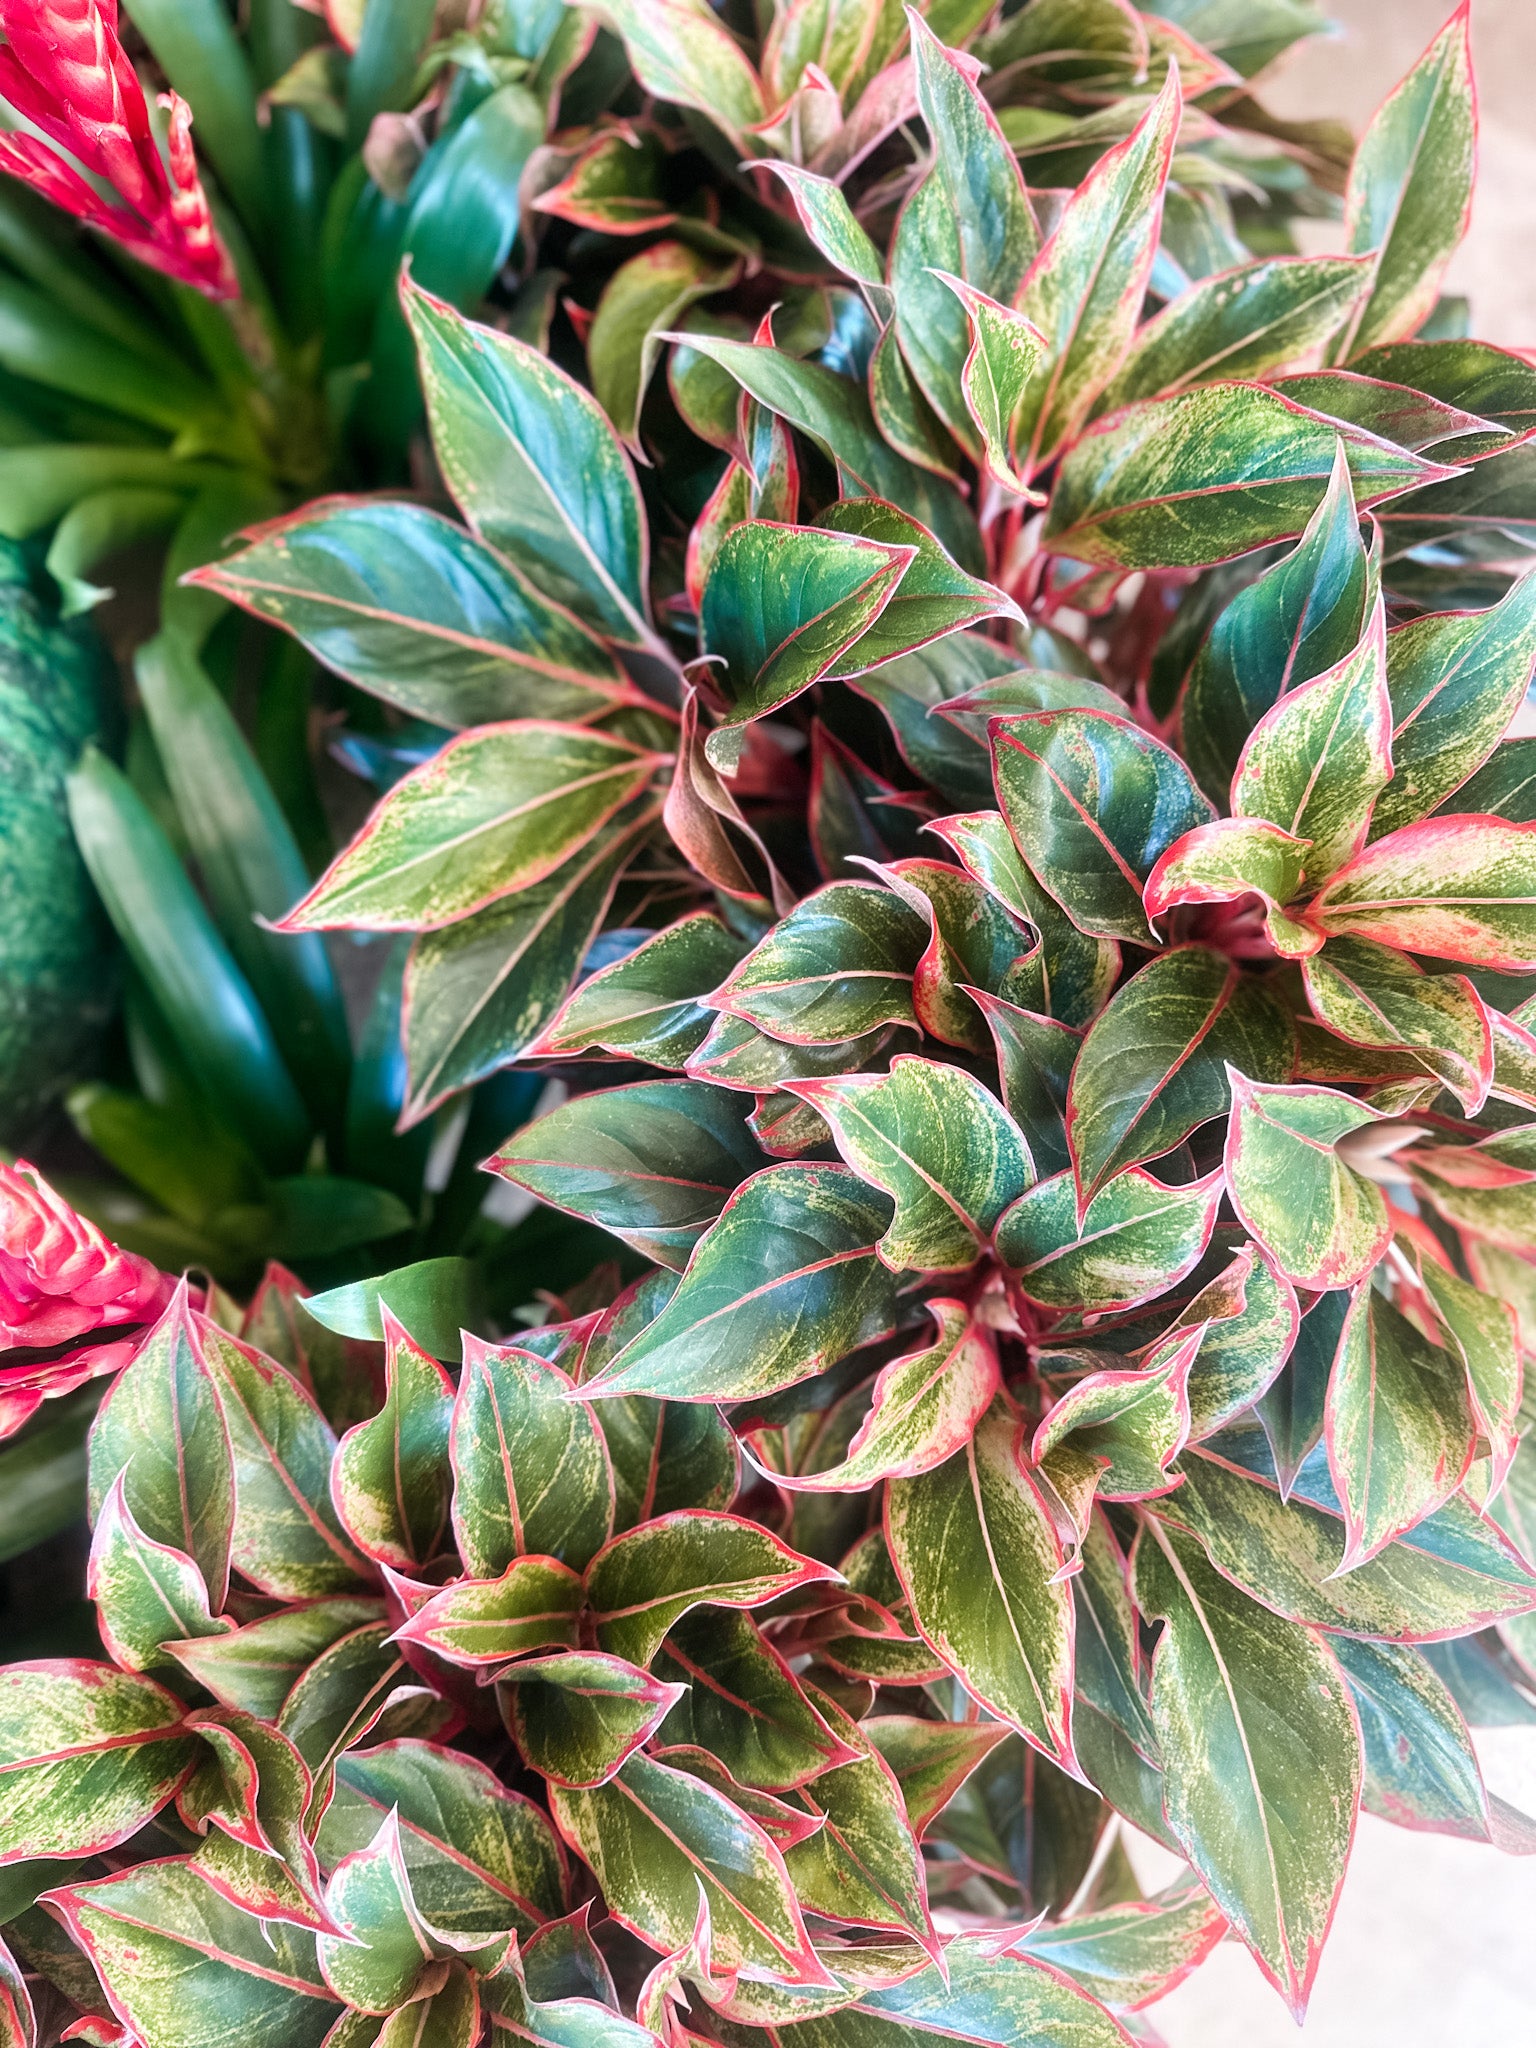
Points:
[(1049, 890)]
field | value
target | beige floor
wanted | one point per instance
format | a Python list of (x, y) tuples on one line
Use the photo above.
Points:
[(1434, 1945)]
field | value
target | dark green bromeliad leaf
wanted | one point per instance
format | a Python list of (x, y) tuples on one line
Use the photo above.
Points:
[(785, 1283), (979, 1558), (1093, 802), (654, 1163), (1252, 1715), (1153, 1065)]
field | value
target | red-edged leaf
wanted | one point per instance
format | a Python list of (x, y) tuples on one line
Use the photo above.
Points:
[(1456, 888)]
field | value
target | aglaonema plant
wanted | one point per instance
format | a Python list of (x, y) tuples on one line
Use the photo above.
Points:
[(1028, 898)]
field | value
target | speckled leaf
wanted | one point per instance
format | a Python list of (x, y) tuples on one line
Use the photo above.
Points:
[(782, 1285), (1254, 1721), (1085, 289), (1132, 1954), (1504, 785), (646, 1580), (1153, 1065), (1398, 1425), (420, 613), (162, 1424), (1136, 1239), (939, 1144), (924, 1406), (182, 1965), (1183, 482), (1093, 802), (742, 1702), (1233, 858), (480, 1858), (1457, 888), (146, 1593), (976, 942), (1249, 1316), (390, 1480), (1455, 680), (383, 1948), (681, 53), (839, 965), (530, 1471), (782, 605), (256, 1789), (535, 466), (640, 301), (978, 1558), (1240, 323), (935, 597), (656, 1836), (931, 1760), (1484, 1332), (254, 1668), (1374, 996), (837, 231), (1034, 1064), (1421, 1770), (287, 1537), (654, 1162), (1410, 187), (1133, 1424), (1006, 351), (490, 814), (1322, 1223), (479, 1622), (1315, 762), (646, 1006), (577, 1715), (1302, 616), (88, 1754)]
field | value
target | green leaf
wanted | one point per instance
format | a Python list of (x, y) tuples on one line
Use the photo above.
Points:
[(1291, 1409), (862, 1867), (656, 1836), (934, 597), (646, 1006), (939, 1144), (681, 53), (839, 965), (1484, 1333), (182, 1964), (1410, 187), (1153, 1065), (1092, 802), (255, 1788), (1397, 413), (483, 1622), (1249, 1316), (420, 613), (496, 810), (643, 298), (837, 231), (654, 1162), (479, 1857), (1457, 888), (89, 1754), (781, 606), (1242, 323), (1085, 289), (1323, 1223), (643, 1582), (254, 1668), (374, 1962), (1299, 618), (432, 1299), (1134, 1240), (390, 1479), (741, 1702), (146, 1593), (1130, 1954), (1315, 762), (1374, 996), (577, 1715), (162, 1426), (1398, 1425), (1182, 482), (1455, 681), (1421, 1770), (1261, 1757), (924, 1407), (970, 216), (287, 1537), (1230, 859), (530, 1473), (1131, 1424), (976, 942), (534, 464), (931, 1759), (979, 1559), (478, 994), (1006, 351), (1034, 1065), (784, 1284)]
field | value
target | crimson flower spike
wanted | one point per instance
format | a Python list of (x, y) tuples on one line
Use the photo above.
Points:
[(65, 71)]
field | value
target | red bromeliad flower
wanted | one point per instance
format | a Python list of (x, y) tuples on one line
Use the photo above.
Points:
[(64, 70), (61, 1285)]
